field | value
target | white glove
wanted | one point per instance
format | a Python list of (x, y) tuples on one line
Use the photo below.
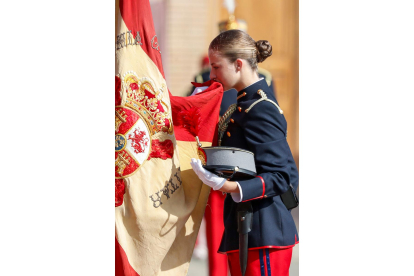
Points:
[(199, 90), (207, 177)]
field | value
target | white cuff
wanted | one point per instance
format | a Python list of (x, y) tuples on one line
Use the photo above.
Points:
[(237, 197)]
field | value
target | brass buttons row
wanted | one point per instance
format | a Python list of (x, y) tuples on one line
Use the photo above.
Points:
[(228, 132)]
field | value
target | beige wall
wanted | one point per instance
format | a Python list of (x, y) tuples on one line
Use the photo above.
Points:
[(191, 25)]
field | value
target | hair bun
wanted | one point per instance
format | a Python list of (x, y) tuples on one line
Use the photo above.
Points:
[(264, 50)]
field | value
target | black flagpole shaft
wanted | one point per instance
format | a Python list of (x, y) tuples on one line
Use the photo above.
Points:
[(244, 221)]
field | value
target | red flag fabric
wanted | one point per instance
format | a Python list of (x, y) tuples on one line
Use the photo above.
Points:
[(159, 201), (208, 102), (137, 17), (217, 263)]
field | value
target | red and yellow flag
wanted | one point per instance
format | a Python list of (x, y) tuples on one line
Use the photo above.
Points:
[(159, 201)]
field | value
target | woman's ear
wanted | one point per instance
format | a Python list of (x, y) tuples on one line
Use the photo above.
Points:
[(239, 64)]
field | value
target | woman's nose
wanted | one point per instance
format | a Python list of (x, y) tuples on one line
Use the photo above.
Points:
[(212, 75)]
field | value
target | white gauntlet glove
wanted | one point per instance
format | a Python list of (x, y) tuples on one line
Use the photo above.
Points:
[(207, 177), (199, 90)]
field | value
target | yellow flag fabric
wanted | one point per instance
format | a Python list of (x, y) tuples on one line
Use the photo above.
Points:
[(159, 200)]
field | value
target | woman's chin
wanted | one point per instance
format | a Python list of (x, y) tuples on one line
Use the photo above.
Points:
[(224, 86)]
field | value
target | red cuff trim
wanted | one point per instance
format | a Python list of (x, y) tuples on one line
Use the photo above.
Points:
[(262, 247), (259, 197), (263, 184)]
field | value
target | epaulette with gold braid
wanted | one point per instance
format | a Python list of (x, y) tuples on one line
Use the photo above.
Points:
[(263, 98), (224, 122)]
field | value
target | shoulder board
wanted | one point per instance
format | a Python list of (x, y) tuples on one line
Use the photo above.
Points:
[(263, 98)]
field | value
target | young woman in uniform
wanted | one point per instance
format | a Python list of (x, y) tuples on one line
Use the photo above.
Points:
[(257, 125)]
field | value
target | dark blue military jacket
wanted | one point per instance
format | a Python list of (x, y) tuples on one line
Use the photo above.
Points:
[(262, 130)]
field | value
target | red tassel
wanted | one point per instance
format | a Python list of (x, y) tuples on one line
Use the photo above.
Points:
[(190, 120)]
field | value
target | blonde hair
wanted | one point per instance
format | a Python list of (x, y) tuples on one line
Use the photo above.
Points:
[(234, 44)]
